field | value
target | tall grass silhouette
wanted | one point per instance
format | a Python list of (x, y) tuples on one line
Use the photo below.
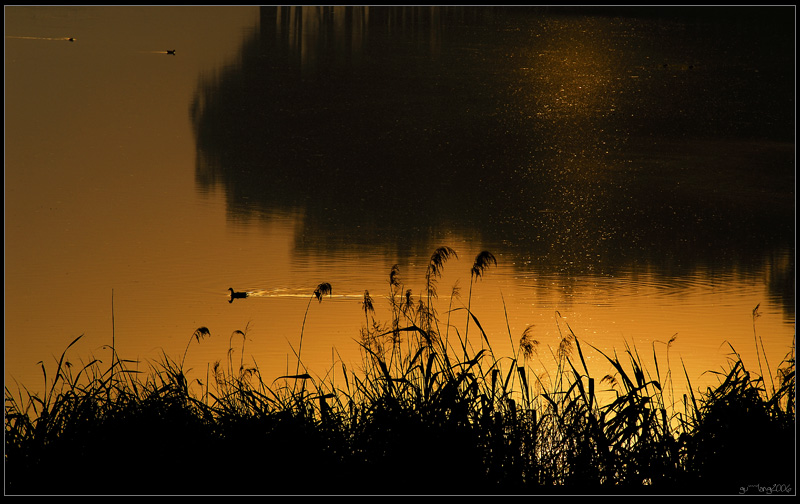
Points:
[(323, 289), (448, 419), (482, 261)]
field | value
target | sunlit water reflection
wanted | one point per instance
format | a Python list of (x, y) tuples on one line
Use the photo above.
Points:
[(623, 198)]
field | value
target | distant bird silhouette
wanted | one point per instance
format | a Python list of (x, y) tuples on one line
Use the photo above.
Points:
[(172, 52), (236, 295), (71, 39)]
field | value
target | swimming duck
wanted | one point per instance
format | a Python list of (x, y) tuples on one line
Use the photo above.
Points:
[(236, 295), (172, 52)]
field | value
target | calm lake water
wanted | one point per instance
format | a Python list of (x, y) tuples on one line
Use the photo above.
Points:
[(633, 175)]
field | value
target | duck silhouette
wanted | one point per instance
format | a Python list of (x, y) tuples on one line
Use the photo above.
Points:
[(236, 295), (172, 52)]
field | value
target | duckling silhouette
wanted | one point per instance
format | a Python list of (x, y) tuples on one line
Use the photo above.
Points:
[(236, 295), (172, 52)]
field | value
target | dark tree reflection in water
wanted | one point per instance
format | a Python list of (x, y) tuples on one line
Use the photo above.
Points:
[(594, 139)]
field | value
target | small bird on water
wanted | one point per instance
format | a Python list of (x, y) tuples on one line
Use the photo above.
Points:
[(236, 295), (172, 52)]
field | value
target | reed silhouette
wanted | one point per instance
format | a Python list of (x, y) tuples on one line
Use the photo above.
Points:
[(482, 261), (323, 289), (473, 422)]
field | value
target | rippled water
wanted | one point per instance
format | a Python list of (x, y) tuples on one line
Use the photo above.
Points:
[(633, 176)]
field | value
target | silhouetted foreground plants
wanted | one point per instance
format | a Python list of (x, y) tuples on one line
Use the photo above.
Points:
[(425, 414)]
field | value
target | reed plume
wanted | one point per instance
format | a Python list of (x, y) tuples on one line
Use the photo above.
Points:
[(408, 303), (323, 289), (394, 287), (394, 278), (368, 306), (434, 271), (527, 344), (438, 258), (482, 262), (199, 333)]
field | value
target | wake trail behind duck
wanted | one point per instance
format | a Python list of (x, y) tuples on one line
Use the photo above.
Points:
[(69, 39)]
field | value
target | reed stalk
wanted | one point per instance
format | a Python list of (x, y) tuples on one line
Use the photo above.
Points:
[(482, 261), (322, 289)]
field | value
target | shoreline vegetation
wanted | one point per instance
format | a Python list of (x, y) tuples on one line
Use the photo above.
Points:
[(430, 411)]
